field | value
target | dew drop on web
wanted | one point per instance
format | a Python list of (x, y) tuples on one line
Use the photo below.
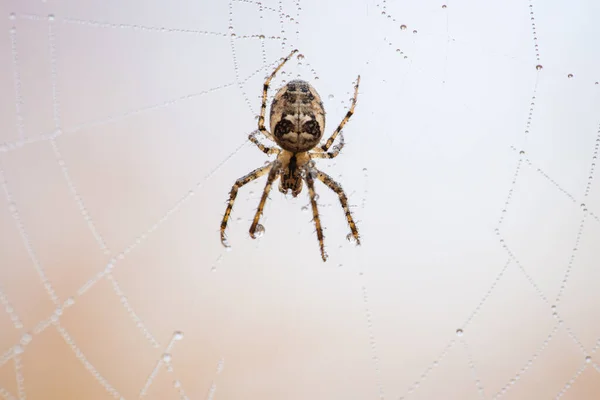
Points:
[(25, 339)]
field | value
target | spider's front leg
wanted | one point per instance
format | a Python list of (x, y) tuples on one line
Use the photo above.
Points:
[(337, 188), (273, 174), (257, 173), (329, 142), (310, 183)]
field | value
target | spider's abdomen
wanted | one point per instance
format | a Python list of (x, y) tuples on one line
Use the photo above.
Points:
[(297, 117)]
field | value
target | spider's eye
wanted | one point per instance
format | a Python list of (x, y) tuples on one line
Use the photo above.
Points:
[(312, 127)]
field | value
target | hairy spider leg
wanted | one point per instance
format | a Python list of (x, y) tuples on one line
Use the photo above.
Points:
[(257, 173), (337, 188), (329, 154), (310, 183), (263, 106), (265, 149), (329, 142), (273, 174)]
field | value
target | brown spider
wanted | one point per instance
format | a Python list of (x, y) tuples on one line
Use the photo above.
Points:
[(297, 121)]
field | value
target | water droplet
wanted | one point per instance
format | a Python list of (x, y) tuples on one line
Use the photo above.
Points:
[(539, 67), (588, 359), (176, 384), (340, 265), (596, 83), (51, 17), (415, 31), (330, 97), (12, 16), (228, 249), (261, 36), (167, 357), (300, 56), (582, 205), (26, 338), (260, 230), (459, 332), (444, 6), (178, 335), (522, 152), (403, 27), (304, 208), (18, 349), (570, 76)]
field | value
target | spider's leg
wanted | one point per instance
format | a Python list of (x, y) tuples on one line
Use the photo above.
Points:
[(329, 142), (263, 106), (273, 174), (310, 183), (257, 173), (319, 153), (262, 147), (337, 188)]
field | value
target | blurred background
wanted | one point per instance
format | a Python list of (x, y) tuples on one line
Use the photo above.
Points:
[(471, 165)]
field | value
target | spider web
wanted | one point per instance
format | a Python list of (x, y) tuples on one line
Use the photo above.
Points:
[(470, 164)]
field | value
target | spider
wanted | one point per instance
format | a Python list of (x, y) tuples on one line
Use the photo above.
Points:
[(297, 121)]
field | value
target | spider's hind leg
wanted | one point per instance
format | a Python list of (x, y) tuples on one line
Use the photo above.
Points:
[(265, 149), (350, 112), (263, 106), (320, 153)]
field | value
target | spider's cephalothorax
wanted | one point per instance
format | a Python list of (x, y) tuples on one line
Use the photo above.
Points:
[(297, 117), (297, 122), (293, 166)]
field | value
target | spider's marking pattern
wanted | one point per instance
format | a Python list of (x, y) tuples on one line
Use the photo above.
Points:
[(297, 121)]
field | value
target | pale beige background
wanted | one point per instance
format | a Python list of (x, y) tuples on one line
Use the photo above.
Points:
[(473, 176)]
